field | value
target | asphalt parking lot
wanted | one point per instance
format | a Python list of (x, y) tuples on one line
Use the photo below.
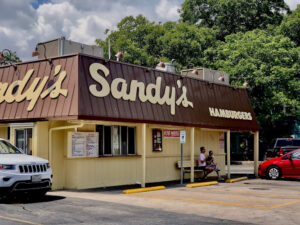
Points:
[(254, 201)]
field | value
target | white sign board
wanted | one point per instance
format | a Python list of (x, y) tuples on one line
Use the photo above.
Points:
[(92, 143), (83, 144), (78, 140), (182, 136)]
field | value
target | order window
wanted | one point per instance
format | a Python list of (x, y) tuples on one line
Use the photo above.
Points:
[(116, 140)]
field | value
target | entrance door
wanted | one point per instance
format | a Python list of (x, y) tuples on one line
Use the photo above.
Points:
[(24, 140)]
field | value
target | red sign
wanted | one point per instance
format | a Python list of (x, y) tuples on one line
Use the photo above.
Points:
[(221, 141), (171, 133)]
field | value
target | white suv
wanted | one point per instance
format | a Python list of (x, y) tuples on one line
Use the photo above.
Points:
[(22, 173)]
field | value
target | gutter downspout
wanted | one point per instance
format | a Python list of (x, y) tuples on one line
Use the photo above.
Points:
[(59, 128)]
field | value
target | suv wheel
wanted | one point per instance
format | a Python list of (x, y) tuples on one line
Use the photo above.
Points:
[(273, 173)]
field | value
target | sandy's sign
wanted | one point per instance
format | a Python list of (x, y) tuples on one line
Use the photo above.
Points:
[(120, 89), (18, 91), (229, 114)]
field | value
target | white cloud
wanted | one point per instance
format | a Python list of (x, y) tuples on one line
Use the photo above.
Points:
[(292, 3), (22, 26), (165, 9)]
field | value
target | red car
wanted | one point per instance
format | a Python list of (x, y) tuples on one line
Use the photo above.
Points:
[(287, 165)]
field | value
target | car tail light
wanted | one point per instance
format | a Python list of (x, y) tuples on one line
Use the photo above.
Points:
[(281, 152)]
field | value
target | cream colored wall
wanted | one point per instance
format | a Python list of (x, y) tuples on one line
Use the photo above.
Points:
[(80, 173), (40, 139), (210, 140), (160, 166), (108, 171), (3, 132)]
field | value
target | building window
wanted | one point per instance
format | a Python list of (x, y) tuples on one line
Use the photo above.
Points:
[(157, 140), (116, 140)]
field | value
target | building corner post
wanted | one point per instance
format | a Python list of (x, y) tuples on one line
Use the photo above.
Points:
[(256, 152), (228, 155), (143, 155), (192, 146)]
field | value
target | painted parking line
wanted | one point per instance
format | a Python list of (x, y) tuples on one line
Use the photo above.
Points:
[(272, 195), (227, 203), (18, 220)]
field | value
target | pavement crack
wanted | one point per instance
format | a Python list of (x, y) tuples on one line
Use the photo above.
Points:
[(24, 208)]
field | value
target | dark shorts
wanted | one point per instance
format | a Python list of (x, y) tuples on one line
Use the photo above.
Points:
[(202, 168)]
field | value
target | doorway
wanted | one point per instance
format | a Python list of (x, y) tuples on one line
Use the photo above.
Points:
[(23, 140)]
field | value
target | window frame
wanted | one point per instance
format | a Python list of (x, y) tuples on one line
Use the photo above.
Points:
[(134, 137), (102, 129)]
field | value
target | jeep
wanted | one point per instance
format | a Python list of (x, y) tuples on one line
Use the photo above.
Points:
[(21, 173)]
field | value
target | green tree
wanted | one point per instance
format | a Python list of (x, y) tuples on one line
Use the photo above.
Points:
[(142, 42), (135, 37), (290, 26), (231, 16), (271, 66), (187, 43), (9, 58)]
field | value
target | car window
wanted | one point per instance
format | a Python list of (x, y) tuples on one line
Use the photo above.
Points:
[(7, 148), (295, 155), (287, 142)]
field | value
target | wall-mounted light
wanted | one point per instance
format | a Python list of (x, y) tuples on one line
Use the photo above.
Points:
[(245, 84), (37, 53), (195, 71), (161, 64), (2, 59), (221, 78), (119, 55)]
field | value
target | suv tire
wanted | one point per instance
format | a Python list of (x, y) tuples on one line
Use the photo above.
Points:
[(273, 173)]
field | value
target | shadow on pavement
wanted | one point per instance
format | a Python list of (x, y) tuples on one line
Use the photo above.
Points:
[(27, 199)]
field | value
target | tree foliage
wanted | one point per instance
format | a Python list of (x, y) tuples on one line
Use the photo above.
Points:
[(143, 42), (231, 16), (252, 40), (290, 26), (9, 58), (271, 66)]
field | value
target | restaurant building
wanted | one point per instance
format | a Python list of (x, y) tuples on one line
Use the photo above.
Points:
[(106, 123)]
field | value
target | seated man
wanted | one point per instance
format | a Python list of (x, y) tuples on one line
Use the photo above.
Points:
[(211, 164), (202, 163)]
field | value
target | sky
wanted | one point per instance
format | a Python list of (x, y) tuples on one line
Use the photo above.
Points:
[(24, 23)]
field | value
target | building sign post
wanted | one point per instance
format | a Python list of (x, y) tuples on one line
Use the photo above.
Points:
[(182, 141)]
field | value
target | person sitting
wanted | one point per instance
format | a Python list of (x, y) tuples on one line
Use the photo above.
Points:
[(211, 164), (202, 163)]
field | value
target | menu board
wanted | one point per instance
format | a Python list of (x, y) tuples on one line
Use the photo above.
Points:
[(78, 141), (83, 144), (92, 142)]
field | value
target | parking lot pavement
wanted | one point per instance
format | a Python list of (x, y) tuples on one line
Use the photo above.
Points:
[(247, 202), (252, 201), (60, 210)]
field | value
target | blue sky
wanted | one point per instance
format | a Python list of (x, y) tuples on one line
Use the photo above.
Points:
[(24, 23)]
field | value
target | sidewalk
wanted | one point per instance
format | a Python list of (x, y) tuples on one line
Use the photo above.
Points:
[(242, 167)]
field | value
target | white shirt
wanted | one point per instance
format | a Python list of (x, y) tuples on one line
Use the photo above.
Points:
[(201, 158)]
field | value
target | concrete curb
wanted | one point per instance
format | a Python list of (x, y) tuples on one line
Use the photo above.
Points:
[(236, 179), (137, 190), (202, 184)]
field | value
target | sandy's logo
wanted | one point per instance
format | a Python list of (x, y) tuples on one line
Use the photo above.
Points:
[(15, 92), (150, 92)]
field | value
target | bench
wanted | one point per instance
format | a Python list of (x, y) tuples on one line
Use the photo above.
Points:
[(186, 165)]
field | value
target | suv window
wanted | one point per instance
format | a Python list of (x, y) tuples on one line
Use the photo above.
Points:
[(286, 142), (7, 148)]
